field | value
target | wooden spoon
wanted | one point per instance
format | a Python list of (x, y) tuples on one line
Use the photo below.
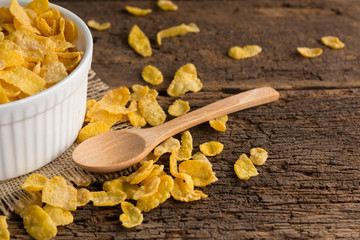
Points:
[(117, 150)]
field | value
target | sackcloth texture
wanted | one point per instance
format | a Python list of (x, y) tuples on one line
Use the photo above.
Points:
[(10, 190)]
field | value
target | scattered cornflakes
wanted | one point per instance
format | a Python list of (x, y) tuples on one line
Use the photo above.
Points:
[(332, 42), (178, 108), (98, 26), (132, 215), (211, 148), (139, 42), (219, 124), (167, 5), (185, 80), (152, 75), (258, 156), (177, 31), (137, 11), (310, 52), (244, 52), (244, 168)]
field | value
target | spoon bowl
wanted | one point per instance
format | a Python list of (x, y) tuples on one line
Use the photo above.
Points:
[(117, 150)]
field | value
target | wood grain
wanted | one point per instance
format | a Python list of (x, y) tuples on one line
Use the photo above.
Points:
[(309, 187)]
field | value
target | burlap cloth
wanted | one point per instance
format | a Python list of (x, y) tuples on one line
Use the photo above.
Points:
[(10, 190)]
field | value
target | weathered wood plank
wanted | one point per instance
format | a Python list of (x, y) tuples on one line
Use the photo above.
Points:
[(279, 27), (309, 187)]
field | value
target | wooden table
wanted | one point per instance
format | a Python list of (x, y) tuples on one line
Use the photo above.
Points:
[(309, 187)]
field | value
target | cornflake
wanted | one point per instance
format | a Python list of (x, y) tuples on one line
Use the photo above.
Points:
[(140, 174), (98, 26), (120, 184), (34, 183), (200, 171), (178, 108), (211, 148), (244, 168), (139, 42), (258, 156), (83, 197), (152, 75), (332, 42), (148, 188), (151, 111), (170, 145), (58, 193), (4, 232), (93, 129), (183, 189), (219, 124), (309, 52), (60, 217), (135, 117), (10, 58), (244, 52), (137, 11), (173, 165), (38, 223), (177, 31), (186, 148), (132, 215), (139, 92), (27, 81), (3, 97), (185, 80), (167, 5), (102, 198), (162, 194)]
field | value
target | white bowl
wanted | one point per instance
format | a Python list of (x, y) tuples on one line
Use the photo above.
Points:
[(37, 129)]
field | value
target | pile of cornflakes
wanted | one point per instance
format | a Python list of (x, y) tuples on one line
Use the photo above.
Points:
[(35, 49), (139, 107), (244, 166), (52, 201), (329, 41)]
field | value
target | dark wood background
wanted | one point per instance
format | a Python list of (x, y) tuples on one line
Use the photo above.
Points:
[(309, 187)]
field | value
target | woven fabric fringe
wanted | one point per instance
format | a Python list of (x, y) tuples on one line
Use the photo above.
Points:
[(10, 190)]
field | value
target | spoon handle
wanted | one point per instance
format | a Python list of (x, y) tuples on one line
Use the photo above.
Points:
[(228, 105)]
